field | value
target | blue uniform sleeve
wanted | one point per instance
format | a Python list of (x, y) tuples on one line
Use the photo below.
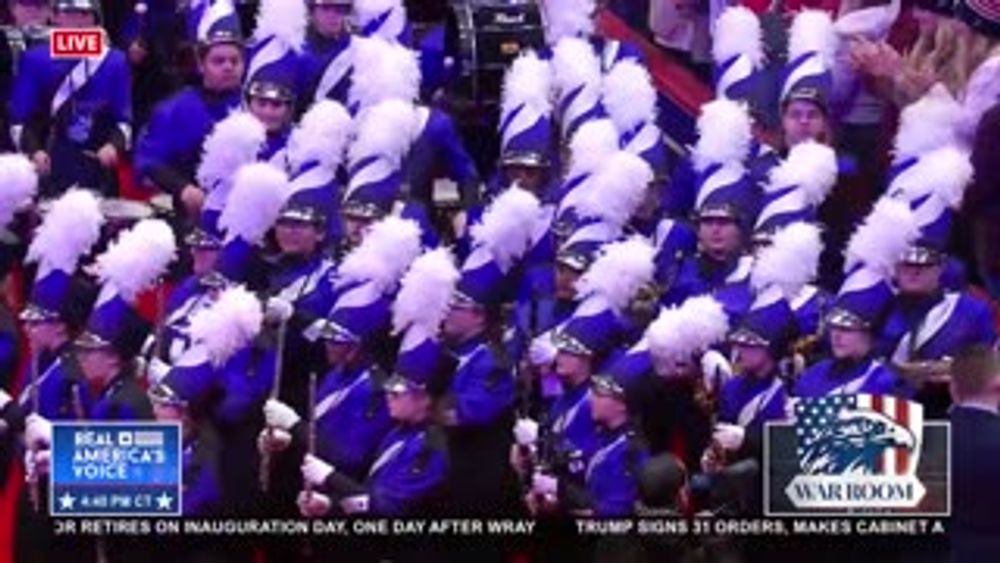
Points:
[(121, 98), (399, 492), (203, 495), (26, 95), (461, 168), (8, 358), (484, 394), (154, 147)]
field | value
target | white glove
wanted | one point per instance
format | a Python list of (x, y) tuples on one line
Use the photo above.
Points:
[(4, 398), (790, 408), (545, 485), (278, 310), (280, 415), (36, 464), (156, 370), (313, 504), (541, 351), (314, 470), (37, 432), (272, 440), (716, 369), (729, 436), (525, 431)]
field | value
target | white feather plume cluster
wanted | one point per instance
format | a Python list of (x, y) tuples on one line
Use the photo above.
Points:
[(140, 255), (981, 94), (228, 324), (791, 261), (528, 82), (615, 190), (388, 249), (811, 166), (621, 269), (813, 31), (945, 172), (20, 183), (425, 292), (725, 133), (70, 229), (283, 20), (883, 237), (929, 123), (575, 63), (233, 142), (386, 130), (872, 23), (593, 142), (259, 192), (321, 136), (368, 10), (629, 96), (507, 225), (568, 18), (383, 70), (738, 32), (691, 328)]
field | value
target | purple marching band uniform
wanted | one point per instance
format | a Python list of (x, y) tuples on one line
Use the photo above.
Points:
[(70, 108), (861, 305), (168, 152)]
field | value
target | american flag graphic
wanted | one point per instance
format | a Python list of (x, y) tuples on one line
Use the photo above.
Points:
[(844, 425)]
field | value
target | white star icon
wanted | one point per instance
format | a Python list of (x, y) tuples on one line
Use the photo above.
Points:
[(66, 501), (164, 502)]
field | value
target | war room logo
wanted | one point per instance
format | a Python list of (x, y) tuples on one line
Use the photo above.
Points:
[(856, 453)]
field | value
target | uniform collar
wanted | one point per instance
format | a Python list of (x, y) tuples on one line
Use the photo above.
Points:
[(467, 347)]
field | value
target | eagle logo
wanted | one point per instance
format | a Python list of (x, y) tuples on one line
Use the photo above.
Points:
[(853, 443)]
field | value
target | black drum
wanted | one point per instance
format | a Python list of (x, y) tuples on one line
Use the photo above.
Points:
[(482, 37)]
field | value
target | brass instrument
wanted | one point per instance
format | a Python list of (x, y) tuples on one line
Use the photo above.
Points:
[(265, 456), (921, 372)]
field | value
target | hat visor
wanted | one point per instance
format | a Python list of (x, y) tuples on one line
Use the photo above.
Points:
[(746, 337), (846, 320), (35, 314), (922, 256), (90, 341), (606, 386), (337, 334), (398, 385)]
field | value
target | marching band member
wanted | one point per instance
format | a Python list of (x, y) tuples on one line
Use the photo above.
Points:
[(612, 474), (577, 19), (169, 151), (328, 60), (477, 410), (860, 307), (273, 75), (73, 117)]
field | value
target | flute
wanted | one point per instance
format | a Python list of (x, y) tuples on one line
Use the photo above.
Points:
[(265, 456), (311, 437)]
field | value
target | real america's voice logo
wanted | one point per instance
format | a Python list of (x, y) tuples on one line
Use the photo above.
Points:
[(857, 454)]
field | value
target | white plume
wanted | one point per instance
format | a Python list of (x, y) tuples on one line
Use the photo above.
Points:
[(929, 123), (19, 181), (791, 261), (883, 237), (811, 166), (286, 21), (872, 23), (368, 10), (574, 62), (383, 70), (233, 142), (388, 249), (945, 172), (425, 292), (321, 135), (228, 324), (139, 256), (812, 30), (615, 190), (507, 225), (629, 96), (386, 130), (680, 332), (568, 18), (981, 93), (725, 132), (259, 192), (592, 143), (618, 273), (70, 229), (528, 81), (738, 32)]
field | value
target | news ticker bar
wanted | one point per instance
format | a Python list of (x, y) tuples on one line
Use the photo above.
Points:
[(499, 527)]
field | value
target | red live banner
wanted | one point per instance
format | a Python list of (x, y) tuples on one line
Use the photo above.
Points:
[(76, 43)]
